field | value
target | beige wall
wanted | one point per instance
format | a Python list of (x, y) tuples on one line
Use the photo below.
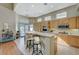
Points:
[(7, 16), (7, 5)]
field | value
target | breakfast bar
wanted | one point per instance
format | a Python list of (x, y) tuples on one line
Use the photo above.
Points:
[(48, 42)]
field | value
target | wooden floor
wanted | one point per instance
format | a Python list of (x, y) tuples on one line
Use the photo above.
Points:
[(9, 48)]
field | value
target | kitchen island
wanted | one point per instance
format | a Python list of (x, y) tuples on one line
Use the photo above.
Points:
[(48, 41), (58, 43)]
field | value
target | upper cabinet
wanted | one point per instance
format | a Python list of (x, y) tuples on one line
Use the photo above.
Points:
[(39, 25), (36, 26), (53, 24), (63, 21), (72, 22), (69, 21), (56, 23), (78, 22)]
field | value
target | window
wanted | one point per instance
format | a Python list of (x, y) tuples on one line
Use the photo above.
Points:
[(61, 15), (47, 18), (31, 27), (6, 25), (39, 20)]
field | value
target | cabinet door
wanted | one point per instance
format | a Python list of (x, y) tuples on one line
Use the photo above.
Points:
[(56, 23), (53, 23), (72, 41), (72, 22), (36, 26), (49, 25), (78, 22), (63, 21), (39, 25)]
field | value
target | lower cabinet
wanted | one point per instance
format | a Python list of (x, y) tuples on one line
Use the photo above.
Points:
[(65, 49), (67, 45)]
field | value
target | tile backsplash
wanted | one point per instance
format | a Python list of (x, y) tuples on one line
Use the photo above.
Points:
[(68, 31), (74, 31)]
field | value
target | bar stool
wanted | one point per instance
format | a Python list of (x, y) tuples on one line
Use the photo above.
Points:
[(29, 43), (37, 46)]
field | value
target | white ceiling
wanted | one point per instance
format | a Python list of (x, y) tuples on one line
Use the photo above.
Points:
[(38, 9)]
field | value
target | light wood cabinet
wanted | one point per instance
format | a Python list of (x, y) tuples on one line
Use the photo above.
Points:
[(70, 40), (53, 24), (73, 41), (63, 21), (78, 22), (49, 27), (56, 23), (39, 25), (64, 37), (73, 23), (68, 44)]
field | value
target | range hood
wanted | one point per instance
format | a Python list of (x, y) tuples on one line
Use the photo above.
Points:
[(64, 26)]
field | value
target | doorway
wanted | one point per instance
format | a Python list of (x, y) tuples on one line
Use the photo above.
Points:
[(23, 28)]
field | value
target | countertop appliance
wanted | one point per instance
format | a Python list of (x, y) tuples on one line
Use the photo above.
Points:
[(45, 28)]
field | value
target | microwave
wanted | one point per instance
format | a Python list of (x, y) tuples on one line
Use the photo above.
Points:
[(45, 28)]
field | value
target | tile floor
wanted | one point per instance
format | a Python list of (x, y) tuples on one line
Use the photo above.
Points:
[(16, 47), (22, 46), (64, 49)]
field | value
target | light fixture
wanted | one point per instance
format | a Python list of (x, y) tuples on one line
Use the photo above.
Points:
[(40, 11), (51, 6), (33, 6)]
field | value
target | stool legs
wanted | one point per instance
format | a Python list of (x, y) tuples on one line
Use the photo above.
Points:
[(29, 44), (37, 50), (40, 52)]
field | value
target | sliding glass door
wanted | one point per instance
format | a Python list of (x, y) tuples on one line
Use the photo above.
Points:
[(23, 28)]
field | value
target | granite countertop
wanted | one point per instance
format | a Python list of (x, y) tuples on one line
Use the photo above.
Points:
[(71, 34), (49, 34), (46, 34)]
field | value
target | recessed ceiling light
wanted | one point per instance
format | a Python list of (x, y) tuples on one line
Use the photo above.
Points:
[(40, 11), (51, 6), (33, 6)]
